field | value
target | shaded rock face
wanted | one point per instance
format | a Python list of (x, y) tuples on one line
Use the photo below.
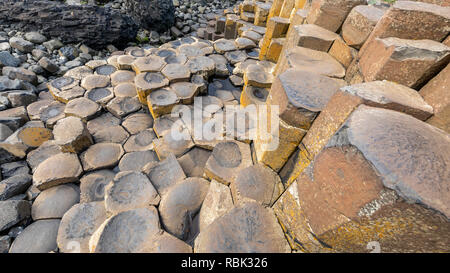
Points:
[(93, 25), (157, 15)]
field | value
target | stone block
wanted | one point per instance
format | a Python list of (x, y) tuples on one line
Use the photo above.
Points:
[(408, 62)]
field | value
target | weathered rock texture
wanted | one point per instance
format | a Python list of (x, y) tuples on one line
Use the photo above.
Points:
[(93, 25)]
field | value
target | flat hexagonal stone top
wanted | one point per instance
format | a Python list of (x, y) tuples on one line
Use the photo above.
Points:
[(105, 70), (256, 75), (136, 52), (57, 169), (141, 141), (224, 45), (123, 106), (244, 43), (247, 228), (125, 61), (96, 63), (190, 51), (386, 92), (181, 202), (55, 201), (149, 81), (67, 94), (63, 83), (252, 35), (176, 59), (135, 161), (306, 90), (79, 72), (39, 237), (148, 64), (236, 56), (161, 98), (127, 232), (201, 65), (176, 72), (259, 183), (164, 174), (51, 113), (227, 159), (83, 108), (193, 162), (314, 61), (78, 225), (410, 156), (126, 89), (137, 122), (130, 190), (72, 131), (101, 155), (92, 185)]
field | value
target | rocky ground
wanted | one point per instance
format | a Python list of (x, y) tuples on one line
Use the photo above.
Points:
[(190, 15)]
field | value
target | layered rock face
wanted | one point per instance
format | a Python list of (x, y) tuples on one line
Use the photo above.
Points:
[(94, 25)]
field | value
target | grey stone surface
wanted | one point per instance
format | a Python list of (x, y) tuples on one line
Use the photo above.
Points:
[(180, 204), (13, 212), (54, 202), (130, 190), (127, 232), (78, 225), (247, 228), (39, 237)]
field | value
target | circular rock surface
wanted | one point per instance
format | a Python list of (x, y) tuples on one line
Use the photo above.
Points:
[(127, 232), (39, 237), (101, 155), (180, 204), (78, 225), (247, 228), (129, 190)]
